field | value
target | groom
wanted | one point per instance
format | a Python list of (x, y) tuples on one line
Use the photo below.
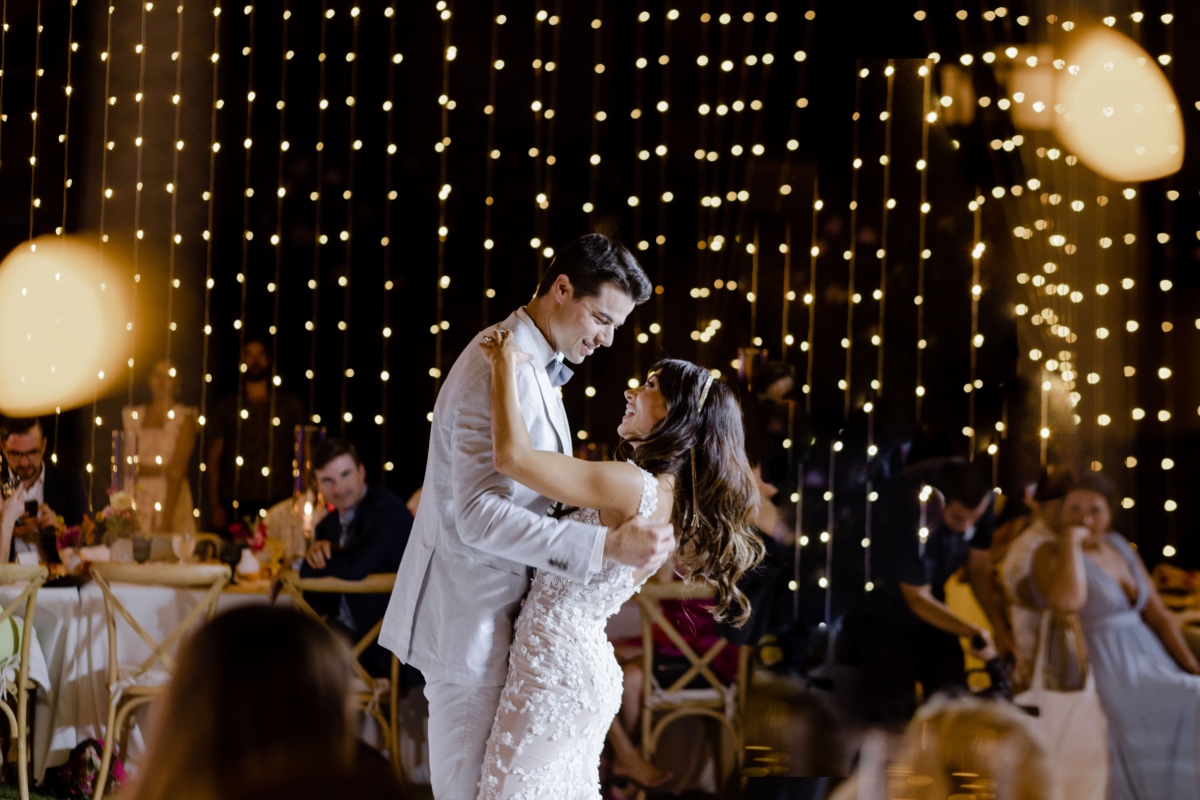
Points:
[(477, 533)]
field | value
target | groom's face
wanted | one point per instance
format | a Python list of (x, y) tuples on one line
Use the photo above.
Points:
[(581, 326)]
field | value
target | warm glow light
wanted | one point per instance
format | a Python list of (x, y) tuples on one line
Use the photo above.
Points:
[(63, 316), (1116, 111)]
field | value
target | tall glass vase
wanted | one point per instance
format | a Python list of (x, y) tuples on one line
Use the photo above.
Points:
[(124, 463), (304, 493)]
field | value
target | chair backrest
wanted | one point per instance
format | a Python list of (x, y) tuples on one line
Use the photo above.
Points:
[(209, 577), (682, 690), (210, 539), (32, 576), (380, 583)]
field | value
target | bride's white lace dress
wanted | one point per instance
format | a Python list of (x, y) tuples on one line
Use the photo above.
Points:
[(564, 683)]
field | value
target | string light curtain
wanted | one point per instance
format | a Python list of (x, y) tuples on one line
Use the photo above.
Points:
[(751, 136), (209, 196)]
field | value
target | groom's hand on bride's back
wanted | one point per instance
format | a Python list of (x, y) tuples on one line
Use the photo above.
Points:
[(640, 543)]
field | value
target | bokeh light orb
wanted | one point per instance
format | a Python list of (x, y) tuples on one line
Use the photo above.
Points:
[(63, 312), (1116, 110)]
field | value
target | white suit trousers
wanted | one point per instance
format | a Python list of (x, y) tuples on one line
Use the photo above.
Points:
[(460, 721)]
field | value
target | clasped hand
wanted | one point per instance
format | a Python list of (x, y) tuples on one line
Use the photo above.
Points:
[(46, 518), (499, 346)]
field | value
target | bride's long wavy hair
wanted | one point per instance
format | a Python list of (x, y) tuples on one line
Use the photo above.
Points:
[(702, 444)]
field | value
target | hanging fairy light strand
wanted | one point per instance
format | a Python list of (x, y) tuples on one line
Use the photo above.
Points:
[(4, 52), (708, 142), (807, 348), (347, 234), (449, 53), (105, 196), (974, 383), (549, 114), (851, 254), (34, 201), (64, 139), (640, 156), (317, 196), (390, 195), (491, 154), (274, 287), (535, 152), (1165, 374), (665, 196), (878, 338), (598, 115), (138, 233), (243, 276), (209, 197), (173, 190), (927, 118)]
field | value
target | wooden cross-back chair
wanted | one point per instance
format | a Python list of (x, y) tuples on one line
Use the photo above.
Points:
[(32, 576), (698, 691), (367, 690), (130, 686)]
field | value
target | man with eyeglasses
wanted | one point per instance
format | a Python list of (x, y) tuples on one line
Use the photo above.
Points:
[(58, 492)]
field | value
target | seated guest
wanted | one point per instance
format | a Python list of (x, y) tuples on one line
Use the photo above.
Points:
[(259, 707), (367, 535), (58, 492), (1145, 673), (903, 632)]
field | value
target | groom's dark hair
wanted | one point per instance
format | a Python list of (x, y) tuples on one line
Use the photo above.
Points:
[(594, 260)]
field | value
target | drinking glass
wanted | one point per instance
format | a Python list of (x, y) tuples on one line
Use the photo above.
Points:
[(184, 545), (141, 548)]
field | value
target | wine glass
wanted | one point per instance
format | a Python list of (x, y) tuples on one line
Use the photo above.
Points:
[(184, 545)]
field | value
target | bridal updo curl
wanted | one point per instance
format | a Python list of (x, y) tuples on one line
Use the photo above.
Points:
[(715, 501)]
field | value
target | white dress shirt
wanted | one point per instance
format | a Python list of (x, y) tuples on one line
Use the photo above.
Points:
[(14, 507)]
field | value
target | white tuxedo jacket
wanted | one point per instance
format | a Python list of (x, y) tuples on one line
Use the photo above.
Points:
[(477, 533)]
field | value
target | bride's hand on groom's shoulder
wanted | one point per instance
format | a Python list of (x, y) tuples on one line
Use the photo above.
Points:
[(499, 347)]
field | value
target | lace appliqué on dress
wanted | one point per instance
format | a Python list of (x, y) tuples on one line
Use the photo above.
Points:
[(564, 684)]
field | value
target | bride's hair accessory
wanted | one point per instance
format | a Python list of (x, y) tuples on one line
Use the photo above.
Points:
[(695, 521), (704, 391)]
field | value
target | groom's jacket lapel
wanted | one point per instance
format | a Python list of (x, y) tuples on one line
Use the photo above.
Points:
[(550, 396)]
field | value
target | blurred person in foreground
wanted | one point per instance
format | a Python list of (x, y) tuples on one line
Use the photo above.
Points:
[(958, 748), (259, 707), (1146, 675)]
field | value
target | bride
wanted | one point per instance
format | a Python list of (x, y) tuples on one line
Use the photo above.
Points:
[(684, 461)]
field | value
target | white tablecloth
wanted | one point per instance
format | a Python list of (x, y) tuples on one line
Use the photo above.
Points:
[(70, 627)]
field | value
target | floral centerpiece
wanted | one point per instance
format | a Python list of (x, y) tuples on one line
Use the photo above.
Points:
[(250, 533), (119, 520), (81, 535), (248, 538)]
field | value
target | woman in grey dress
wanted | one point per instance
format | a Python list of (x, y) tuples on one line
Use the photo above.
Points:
[(1145, 673)]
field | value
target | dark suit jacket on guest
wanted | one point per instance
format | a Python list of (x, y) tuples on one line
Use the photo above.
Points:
[(62, 490), (375, 543)]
